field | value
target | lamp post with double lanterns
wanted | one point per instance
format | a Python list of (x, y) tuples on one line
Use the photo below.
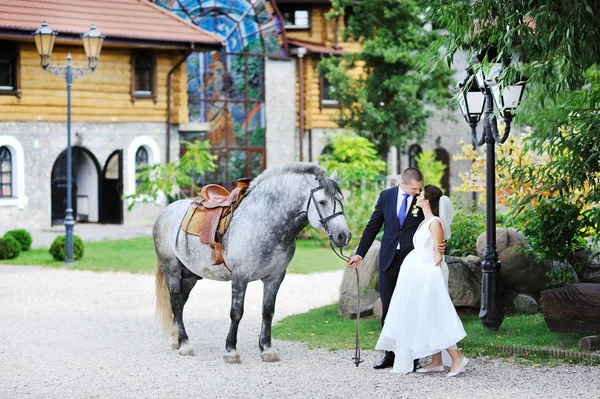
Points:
[(483, 92), (92, 43)]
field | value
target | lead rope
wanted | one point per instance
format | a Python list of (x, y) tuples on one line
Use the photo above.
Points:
[(356, 358)]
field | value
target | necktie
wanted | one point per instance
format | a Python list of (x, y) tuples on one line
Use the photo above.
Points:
[(402, 212)]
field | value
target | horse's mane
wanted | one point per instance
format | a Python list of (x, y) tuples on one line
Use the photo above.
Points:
[(330, 186)]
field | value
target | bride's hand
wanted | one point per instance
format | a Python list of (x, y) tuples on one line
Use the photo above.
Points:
[(437, 259)]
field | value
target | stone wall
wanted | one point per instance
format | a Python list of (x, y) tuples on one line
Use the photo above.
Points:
[(42, 144), (282, 142)]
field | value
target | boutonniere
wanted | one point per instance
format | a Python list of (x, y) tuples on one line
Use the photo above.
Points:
[(415, 211)]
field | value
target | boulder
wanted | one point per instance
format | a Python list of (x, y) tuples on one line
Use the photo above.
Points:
[(519, 272), (464, 283), (525, 304), (369, 294)]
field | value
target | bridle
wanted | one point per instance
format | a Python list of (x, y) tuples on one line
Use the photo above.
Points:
[(323, 221)]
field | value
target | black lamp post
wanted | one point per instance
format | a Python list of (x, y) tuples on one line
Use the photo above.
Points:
[(478, 92), (92, 43)]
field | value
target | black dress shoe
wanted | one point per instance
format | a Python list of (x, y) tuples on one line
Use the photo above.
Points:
[(386, 361), (416, 365)]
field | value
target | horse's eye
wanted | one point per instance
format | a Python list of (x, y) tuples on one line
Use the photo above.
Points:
[(322, 202)]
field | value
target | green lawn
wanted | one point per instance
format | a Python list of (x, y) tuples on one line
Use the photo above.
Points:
[(323, 328), (137, 256)]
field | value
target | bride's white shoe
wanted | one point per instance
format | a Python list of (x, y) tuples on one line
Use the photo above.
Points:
[(431, 369), (461, 367)]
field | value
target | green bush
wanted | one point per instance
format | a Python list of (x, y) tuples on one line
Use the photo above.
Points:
[(22, 236), (554, 228), (9, 247), (466, 227), (59, 248)]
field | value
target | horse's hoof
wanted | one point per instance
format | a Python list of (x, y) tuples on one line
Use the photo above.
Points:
[(232, 357), (175, 345), (269, 355), (186, 350)]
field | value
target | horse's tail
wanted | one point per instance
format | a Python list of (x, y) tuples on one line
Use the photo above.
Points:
[(164, 313)]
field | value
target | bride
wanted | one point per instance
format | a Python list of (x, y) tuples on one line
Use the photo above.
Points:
[(421, 320)]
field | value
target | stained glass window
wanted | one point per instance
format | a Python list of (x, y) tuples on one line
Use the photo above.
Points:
[(226, 89), (6, 168)]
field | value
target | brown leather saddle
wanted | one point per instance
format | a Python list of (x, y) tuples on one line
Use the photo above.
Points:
[(209, 215)]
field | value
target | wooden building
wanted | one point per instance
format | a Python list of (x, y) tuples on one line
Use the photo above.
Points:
[(239, 73), (119, 112)]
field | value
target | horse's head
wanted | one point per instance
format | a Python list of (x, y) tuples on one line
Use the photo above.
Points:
[(325, 210)]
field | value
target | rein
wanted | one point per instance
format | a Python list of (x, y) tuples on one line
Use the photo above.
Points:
[(323, 221)]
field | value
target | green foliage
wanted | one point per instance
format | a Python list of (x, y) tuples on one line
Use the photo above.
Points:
[(466, 227), (386, 103), (22, 236), (553, 229), (355, 159), (58, 248), (432, 169), (173, 177), (561, 42), (9, 247), (359, 172)]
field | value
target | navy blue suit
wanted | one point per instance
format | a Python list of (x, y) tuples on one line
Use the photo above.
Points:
[(390, 258)]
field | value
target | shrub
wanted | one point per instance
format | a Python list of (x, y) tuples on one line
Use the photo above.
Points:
[(9, 247), (22, 236), (466, 227), (59, 247), (554, 230)]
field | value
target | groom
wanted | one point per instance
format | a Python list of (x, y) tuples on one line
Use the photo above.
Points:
[(397, 213)]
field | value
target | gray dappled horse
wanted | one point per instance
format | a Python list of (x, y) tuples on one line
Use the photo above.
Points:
[(258, 245)]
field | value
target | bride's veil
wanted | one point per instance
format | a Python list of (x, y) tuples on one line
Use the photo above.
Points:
[(446, 214)]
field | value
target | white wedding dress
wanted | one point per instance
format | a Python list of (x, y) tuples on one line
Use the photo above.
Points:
[(421, 319)]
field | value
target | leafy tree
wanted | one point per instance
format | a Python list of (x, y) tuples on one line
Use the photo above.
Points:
[(559, 43), (385, 103), (433, 169), (176, 178), (360, 172), (355, 159)]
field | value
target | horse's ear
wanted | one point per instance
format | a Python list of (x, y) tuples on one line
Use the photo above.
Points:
[(334, 175)]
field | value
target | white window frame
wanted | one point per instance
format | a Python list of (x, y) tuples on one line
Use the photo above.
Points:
[(294, 26), (18, 173), (153, 158)]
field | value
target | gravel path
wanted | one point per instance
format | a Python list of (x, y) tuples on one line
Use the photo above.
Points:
[(79, 334)]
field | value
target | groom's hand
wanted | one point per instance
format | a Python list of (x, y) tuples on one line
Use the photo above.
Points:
[(441, 248), (354, 261)]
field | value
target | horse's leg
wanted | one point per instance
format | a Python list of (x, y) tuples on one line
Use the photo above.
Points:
[(179, 290), (271, 287), (238, 292)]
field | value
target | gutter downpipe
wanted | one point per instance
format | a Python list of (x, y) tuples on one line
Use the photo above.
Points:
[(301, 51), (168, 155)]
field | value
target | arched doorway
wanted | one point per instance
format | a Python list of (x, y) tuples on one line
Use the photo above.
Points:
[(226, 89), (413, 151), (85, 188), (111, 184), (443, 156)]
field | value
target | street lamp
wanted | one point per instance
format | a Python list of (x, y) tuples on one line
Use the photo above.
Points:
[(92, 43), (482, 90)]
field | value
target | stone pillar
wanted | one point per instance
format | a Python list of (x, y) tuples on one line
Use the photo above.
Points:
[(282, 140)]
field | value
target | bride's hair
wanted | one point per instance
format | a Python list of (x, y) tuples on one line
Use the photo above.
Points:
[(433, 195)]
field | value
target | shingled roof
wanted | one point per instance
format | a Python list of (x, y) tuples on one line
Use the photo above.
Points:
[(125, 22)]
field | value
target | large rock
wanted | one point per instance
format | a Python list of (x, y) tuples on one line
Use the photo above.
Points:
[(525, 304), (464, 283), (519, 272), (367, 272)]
